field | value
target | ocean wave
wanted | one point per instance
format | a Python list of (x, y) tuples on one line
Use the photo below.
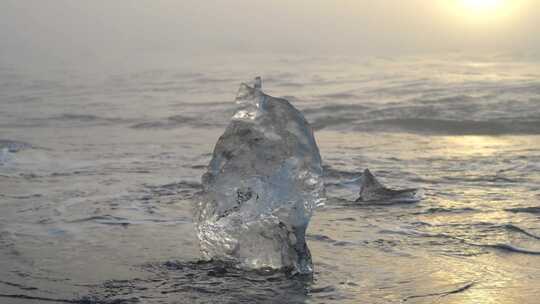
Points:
[(417, 233), (213, 281), (320, 238), (168, 123), (453, 99), (83, 119), (481, 179), (121, 221), (443, 293), (80, 117), (333, 108), (511, 227), (533, 210), (508, 248), (177, 121), (327, 121), (19, 286), (342, 95), (206, 104), (103, 219), (454, 115), (451, 127), (173, 191), (436, 210), (399, 202)]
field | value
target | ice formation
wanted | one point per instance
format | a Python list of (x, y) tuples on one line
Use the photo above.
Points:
[(372, 190), (13, 146), (7, 147), (262, 185)]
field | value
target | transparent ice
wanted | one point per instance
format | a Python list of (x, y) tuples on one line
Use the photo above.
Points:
[(261, 187)]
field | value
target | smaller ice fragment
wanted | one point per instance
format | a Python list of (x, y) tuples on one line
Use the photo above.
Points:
[(371, 190)]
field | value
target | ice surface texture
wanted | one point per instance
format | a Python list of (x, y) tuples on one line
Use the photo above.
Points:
[(261, 187)]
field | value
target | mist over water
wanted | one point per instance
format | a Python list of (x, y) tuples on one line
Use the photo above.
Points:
[(64, 32)]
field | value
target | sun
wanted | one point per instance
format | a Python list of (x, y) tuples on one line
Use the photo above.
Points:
[(483, 12), (483, 6)]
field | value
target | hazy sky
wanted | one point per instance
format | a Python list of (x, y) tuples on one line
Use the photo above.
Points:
[(97, 28)]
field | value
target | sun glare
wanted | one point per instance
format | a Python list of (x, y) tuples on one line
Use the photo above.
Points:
[(487, 12), (483, 6)]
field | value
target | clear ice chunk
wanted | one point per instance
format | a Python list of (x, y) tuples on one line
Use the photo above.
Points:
[(262, 185), (371, 190)]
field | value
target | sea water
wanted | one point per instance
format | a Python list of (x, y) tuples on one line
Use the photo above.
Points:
[(101, 163)]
